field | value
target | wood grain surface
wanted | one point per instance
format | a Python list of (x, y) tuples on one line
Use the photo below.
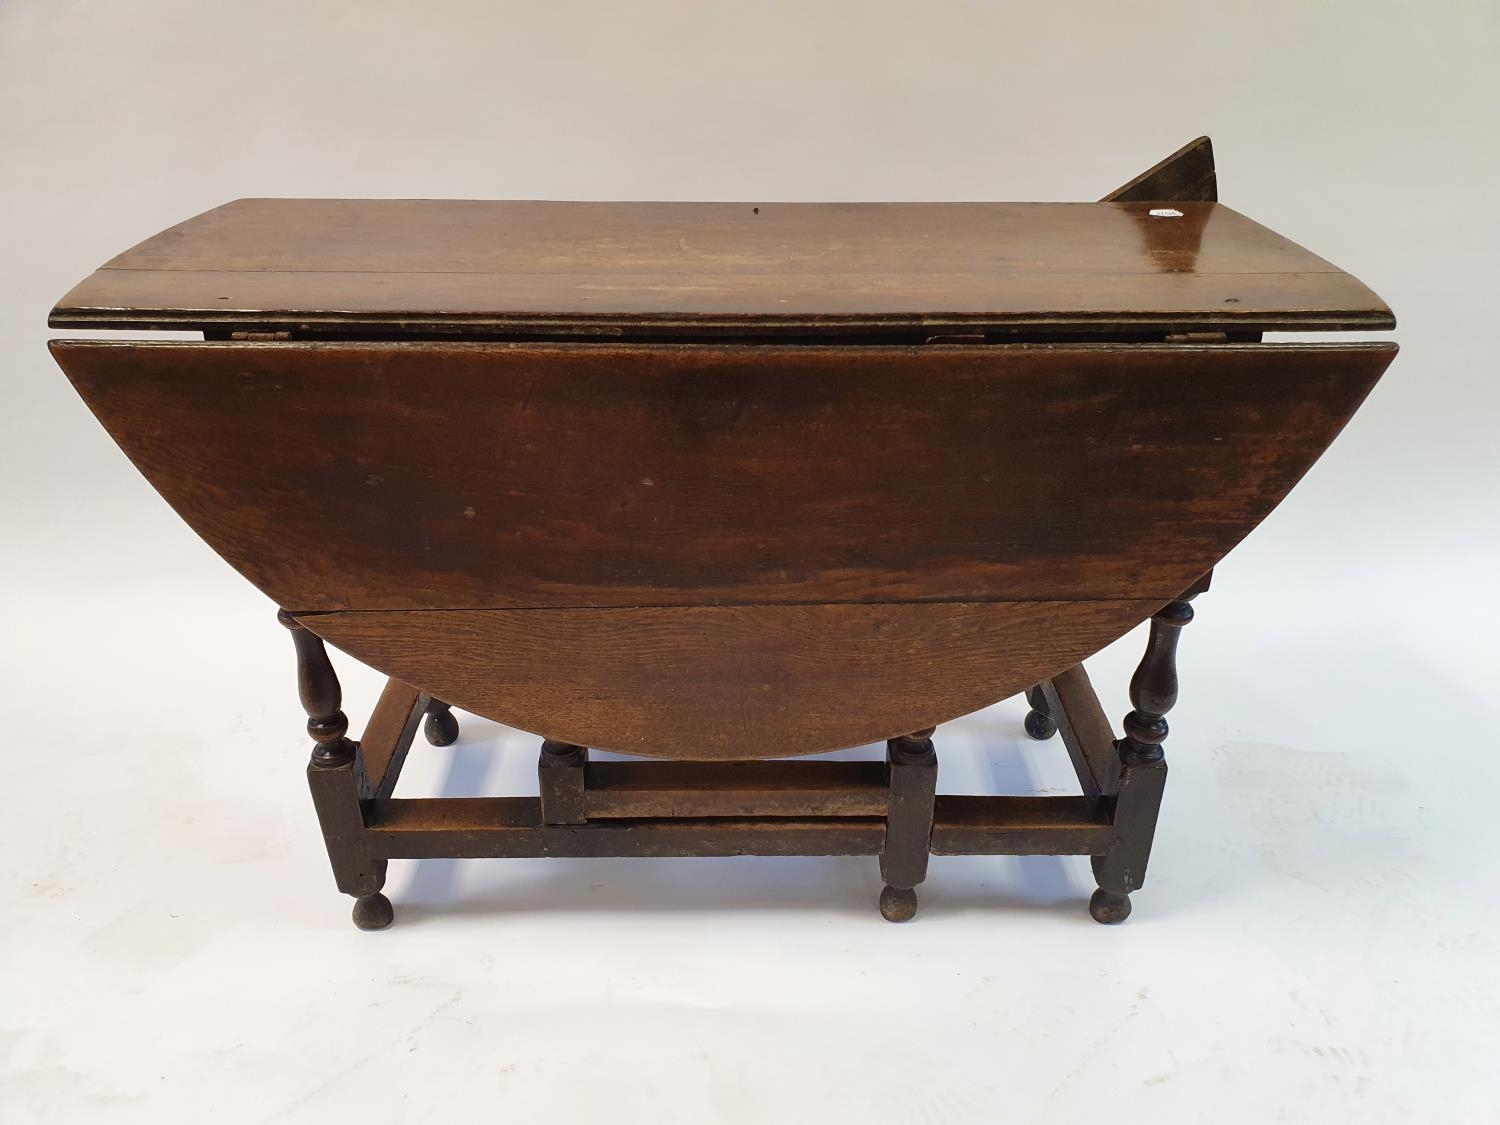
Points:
[(653, 270), (444, 476), (712, 682), (736, 788), (1188, 175), (984, 825), (387, 737), (675, 544), (512, 827)]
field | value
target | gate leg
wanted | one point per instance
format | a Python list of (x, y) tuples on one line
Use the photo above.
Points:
[(1153, 691), (331, 775), (908, 833)]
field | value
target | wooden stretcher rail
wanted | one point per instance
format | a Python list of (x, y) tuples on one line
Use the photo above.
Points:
[(511, 827), (736, 789), (965, 825)]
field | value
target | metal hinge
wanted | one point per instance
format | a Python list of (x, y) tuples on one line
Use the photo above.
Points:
[(260, 335), (1197, 338)]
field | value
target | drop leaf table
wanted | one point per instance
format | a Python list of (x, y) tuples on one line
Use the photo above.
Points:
[(728, 484)]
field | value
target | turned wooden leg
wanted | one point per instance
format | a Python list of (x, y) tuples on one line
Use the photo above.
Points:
[(1039, 721), (908, 833), (332, 778), (440, 726), (1143, 773)]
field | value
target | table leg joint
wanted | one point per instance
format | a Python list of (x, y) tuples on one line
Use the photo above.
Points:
[(561, 774)]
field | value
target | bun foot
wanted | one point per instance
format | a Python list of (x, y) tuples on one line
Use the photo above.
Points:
[(1039, 726), (440, 727), (373, 912), (897, 905), (1109, 908)]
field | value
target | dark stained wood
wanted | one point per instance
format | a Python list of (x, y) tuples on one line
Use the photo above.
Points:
[(1187, 175), (1199, 587), (322, 698), (1039, 721), (658, 270), (388, 736), (984, 825), (373, 912), (335, 793), (1143, 774), (714, 682), (337, 779), (440, 728), (736, 789), (908, 834), (560, 782), (1121, 869), (1153, 688), (512, 827), (404, 476), (672, 543), (1085, 731)]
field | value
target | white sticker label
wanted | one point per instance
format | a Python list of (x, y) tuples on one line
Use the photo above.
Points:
[(1166, 213)]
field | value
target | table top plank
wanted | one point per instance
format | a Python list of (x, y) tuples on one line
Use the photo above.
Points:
[(769, 268)]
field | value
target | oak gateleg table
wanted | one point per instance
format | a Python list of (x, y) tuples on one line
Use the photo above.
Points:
[(727, 485)]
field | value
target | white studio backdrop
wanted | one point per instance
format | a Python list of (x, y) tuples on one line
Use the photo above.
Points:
[(1317, 939)]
